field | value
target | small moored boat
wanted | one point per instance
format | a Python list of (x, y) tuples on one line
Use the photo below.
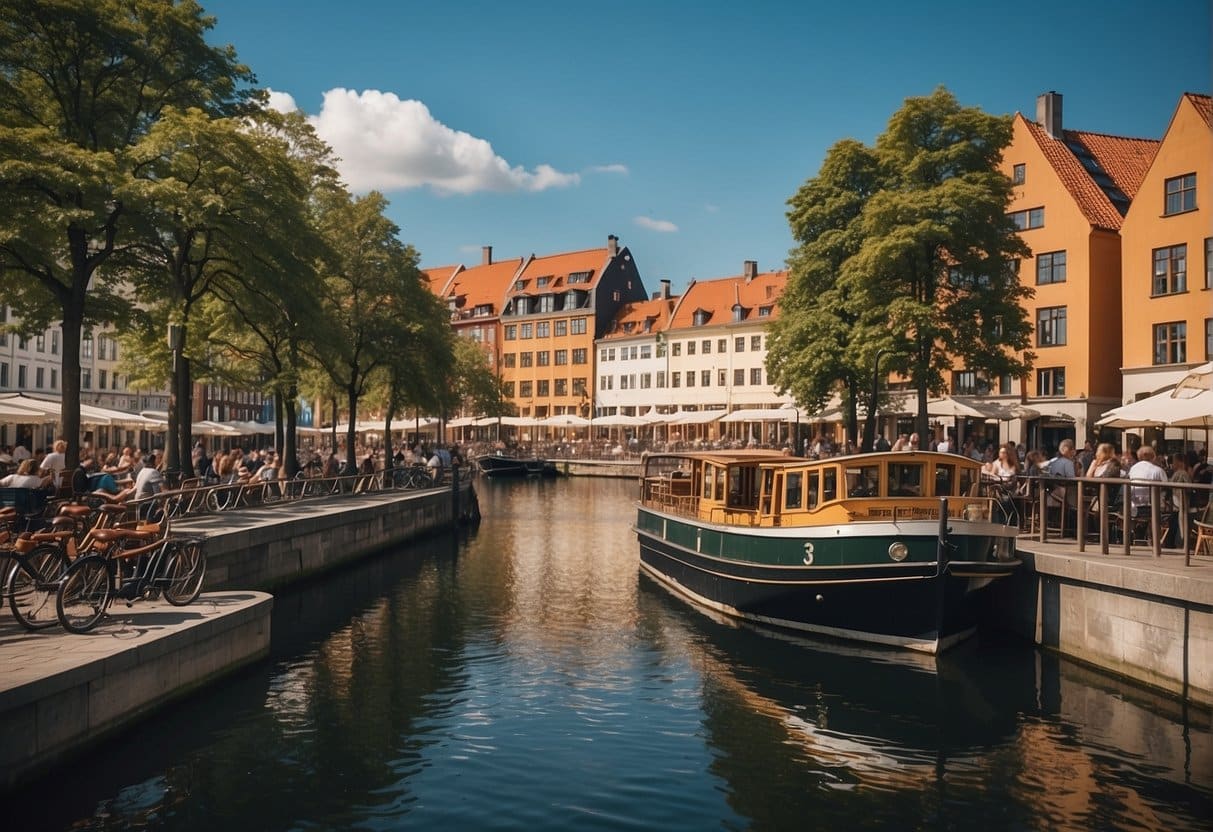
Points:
[(500, 465), (890, 548)]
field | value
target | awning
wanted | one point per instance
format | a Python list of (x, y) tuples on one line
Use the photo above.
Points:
[(620, 420), (89, 414), (1174, 408), (565, 420), (763, 414), (13, 413), (696, 417)]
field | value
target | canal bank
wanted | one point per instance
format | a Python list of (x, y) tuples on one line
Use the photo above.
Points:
[(62, 693), (1143, 618)]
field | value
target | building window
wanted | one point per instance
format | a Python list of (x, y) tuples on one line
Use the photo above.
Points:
[(39, 377), (543, 358), (562, 357), (1018, 174), (739, 378), (21, 372), (707, 347), (1170, 270), (562, 387), (1004, 384), (755, 343), (646, 381), (1051, 268), (756, 376), (964, 383), (1208, 340), (543, 329), (1180, 194), (527, 330), (705, 378), (511, 332), (1032, 218), (646, 351), (739, 344), (1051, 326), (1171, 343), (690, 378), (547, 303), (101, 378), (579, 386), (545, 388), (722, 345), (1051, 381), (86, 346), (579, 356), (4, 375), (509, 389), (577, 326), (677, 348), (660, 379), (40, 344), (509, 360), (525, 389), (562, 328), (1209, 262), (690, 347), (86, 379), (54, 379)]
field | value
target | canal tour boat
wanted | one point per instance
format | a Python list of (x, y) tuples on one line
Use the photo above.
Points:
[(501, 465), (891, 548)]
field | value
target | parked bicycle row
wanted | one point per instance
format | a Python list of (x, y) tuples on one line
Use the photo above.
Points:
[(69, 567)]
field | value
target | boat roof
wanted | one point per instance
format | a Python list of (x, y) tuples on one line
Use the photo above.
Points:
[(726, 457)]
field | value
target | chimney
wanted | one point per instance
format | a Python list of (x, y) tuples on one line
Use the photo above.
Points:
[(1048, 113), (612, 245), (665, 288), (749, 270), (486, 255)]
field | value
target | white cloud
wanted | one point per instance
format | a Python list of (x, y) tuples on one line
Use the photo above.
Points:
[(664, 226), (390, 144), (615, 168), (283, 102)]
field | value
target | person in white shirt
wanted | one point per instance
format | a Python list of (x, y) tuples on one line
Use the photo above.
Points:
[(25, 477), (21, 453), (149, 480), (1145, 470), (55, 462)]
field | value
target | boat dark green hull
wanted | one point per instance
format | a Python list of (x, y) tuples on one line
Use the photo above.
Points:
[(833, 580)]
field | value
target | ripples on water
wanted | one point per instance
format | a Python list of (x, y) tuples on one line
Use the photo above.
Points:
[(527, 677)]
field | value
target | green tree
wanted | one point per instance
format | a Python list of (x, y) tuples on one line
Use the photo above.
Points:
[(921, 257), (81, 81)]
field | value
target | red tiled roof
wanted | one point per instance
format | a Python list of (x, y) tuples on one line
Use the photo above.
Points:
[(437, 276), (1124, 159), (1203, 105), (560, 266), (718, 296), (1123, 155), (637, 312), (484, 284)]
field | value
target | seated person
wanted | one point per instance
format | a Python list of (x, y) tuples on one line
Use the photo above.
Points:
[(149, 480), (25, 477), (104, 485)]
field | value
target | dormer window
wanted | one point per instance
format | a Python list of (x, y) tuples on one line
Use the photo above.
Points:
[(648, 324), (764, 311), (700, 317), (580, 277), (483, 310), (738, 312), (519, 285), (543, 281)]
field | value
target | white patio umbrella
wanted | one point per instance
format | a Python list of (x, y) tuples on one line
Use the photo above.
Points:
[(762, 414), (14, 413), (621, 420), (566, 420)]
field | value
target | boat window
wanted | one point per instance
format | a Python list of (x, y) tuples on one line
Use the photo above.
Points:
[(813, 478), (829, 485), (768, 489), (905, 479), (793, 490), (863, 481), (718, 488), (968, 478), (945, 478)]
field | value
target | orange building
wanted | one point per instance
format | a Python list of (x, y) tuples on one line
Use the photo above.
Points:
[(553, 311), (1167, 257), (474, 299), (1072, 191)]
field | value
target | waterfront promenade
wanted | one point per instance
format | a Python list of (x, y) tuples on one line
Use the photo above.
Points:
[(60, 693)]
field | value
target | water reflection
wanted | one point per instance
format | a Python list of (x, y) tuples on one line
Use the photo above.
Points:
[(526, 677)]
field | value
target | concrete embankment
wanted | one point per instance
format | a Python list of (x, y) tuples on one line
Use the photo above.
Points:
[(61, 693), (1144, 618), (622, 469)]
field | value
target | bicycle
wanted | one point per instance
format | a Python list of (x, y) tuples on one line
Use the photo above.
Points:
[(172, 567), (412, 476)]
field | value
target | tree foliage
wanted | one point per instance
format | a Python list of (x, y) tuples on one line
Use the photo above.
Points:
[(905, 249)]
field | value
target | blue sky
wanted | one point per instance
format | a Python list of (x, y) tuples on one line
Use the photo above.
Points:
[(681, 127)]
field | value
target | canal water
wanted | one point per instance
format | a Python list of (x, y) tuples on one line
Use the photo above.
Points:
[(525, 676)]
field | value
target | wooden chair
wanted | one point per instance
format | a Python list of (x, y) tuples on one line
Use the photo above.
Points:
[(1204, 531)]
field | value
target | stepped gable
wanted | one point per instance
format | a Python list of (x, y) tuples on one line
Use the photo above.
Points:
[(718, 296)]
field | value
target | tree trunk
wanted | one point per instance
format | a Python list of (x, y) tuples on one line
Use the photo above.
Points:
[(333, 429), (351, 433), (185, 422), (870, 423), (279, 413), (290, 456), (73, 317)]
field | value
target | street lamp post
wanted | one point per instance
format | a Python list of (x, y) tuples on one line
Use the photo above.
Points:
[(872, 417)]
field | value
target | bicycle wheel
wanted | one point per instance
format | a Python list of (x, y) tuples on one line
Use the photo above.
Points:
[(84, 594), (184, 571), (32, 586)]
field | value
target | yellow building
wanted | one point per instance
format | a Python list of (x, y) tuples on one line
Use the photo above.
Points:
[(1072, 191), (1167, 257)]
